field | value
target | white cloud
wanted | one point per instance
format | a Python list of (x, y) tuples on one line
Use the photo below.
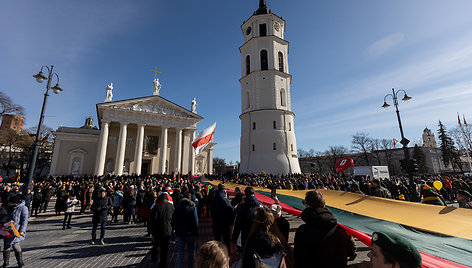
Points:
[(383, 45)]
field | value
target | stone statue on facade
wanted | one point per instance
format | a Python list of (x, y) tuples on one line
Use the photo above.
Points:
[(157, 87), (194, 106), (109, 97)]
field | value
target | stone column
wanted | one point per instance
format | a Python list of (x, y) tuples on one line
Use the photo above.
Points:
[(120, 152), (163, 150), (102, 149), (210, 160), (178, 149), (192, 153), (138, 158)]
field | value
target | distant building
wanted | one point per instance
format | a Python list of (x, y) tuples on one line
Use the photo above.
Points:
[(11, 121), (428, 139)]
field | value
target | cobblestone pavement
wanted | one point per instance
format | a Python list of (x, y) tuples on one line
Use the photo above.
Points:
[(47, 245)]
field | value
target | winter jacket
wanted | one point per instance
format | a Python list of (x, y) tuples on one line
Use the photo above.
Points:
[(221, 211), (100, 207), (19, 215), (161, 218), (71, 204), (320, 242), (118, 199), (28, 198), (185, 218), (129, 204), (245, 218)]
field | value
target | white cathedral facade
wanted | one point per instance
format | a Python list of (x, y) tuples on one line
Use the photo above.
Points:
[(268, 142), (143, 136)]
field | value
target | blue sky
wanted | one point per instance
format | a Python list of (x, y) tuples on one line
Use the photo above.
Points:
[(345, 56)]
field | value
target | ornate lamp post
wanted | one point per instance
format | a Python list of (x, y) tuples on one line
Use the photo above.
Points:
[(404, 140), (56, 89)]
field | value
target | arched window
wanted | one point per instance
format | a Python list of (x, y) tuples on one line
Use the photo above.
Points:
[(281, 61), (291, 147), (253, 147), (248, 64), (253, 125), (274, 124), (248, 100), (282, 97), (289, 126), (274, 146), (264, 61)]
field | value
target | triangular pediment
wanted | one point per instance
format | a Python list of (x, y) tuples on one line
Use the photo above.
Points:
[(154, 105)]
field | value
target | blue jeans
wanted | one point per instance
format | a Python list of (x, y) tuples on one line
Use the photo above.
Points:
[(181, 241)]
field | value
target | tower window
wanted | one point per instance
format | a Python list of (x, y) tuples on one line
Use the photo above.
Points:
[(253, 125), (248, 64), (248, 100), (264, 61), (282, 97), (289, 126), (262, 29), (274, 146), (291, 147), (274, 124), (253, 147), (281, 61)]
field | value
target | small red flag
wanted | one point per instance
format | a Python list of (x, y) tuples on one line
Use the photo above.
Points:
[(45, 138), (394, 142)]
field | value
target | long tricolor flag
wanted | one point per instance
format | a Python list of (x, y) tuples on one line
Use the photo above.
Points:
[(203, 138)]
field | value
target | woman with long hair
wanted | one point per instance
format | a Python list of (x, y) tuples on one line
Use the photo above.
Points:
[(265, 241)]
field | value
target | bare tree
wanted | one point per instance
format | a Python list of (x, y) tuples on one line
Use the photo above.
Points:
[(219, 164), (375, 149), (8, 107), (360, 144), (13, 144), (334, 153)]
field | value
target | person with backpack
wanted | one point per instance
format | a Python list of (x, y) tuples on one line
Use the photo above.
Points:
[(319, 242), (245, 216)]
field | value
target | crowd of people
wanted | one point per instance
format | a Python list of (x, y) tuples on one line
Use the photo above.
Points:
[(171, 209), (416, 189)]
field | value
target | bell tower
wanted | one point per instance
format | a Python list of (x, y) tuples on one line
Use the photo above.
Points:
[(268, 140)]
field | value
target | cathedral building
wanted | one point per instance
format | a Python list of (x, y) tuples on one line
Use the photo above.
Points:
[(143, 136), (268, 142)]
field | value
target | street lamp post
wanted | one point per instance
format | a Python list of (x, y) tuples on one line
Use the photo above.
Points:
[(404, 140), (56, 89)]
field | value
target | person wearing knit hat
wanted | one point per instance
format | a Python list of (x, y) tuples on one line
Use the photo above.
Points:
[(464, 198), (392, 250), (282, 223), (430, 197)]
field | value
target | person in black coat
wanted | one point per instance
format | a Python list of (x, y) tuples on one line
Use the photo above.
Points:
[(37, 199), (100, 208), (245, 216), (320, 242), (185, 223), (28, 197), (161, 219), (222, 214), (47, 194)]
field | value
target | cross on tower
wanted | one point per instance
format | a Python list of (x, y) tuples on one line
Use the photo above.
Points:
[(155, 72)]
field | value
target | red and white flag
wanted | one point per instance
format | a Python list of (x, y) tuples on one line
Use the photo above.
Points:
[(394, 142), (203, 139)]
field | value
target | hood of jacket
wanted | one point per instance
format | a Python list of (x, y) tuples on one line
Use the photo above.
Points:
[(185, 202), (319, 217)]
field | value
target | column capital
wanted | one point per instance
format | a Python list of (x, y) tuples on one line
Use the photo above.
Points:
[(124, 123), (141, 125), (107, 121)]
